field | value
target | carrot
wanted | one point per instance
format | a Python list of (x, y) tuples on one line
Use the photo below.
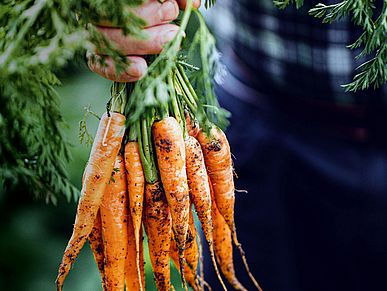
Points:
[(97, 173), (170, 152), (142, 262), (114, 216), (158, 227), (191, 255), (131, 267), (96, 245), (192, 125), (218, 161), (199, 190), (223, 246), (217, 156), (136, 185)]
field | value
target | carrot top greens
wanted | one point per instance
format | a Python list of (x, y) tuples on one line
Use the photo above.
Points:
[(372, 42), (38, 37)]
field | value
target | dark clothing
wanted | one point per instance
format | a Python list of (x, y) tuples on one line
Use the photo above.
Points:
[(312, 157), (292, 54), (315, 216)]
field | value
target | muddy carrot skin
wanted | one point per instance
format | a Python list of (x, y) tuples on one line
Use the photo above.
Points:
[(105, 148), (218, 161), (217, 155), (170, 152), (191, 255), (136, 186), (114, 216), (158, 227), (199, 190), (96, 245), (223, 247), (132, 279), (192, 125)]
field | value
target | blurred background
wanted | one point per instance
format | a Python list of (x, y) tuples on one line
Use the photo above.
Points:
[(33, 234)]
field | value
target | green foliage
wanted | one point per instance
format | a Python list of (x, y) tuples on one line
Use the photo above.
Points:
[(37, 38), (84, 135), (209, 3), (202, 49), (282, 4), (32, 149), (153, 89), (373, 40)]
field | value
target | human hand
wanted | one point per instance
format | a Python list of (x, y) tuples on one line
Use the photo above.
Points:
[(158, 31)]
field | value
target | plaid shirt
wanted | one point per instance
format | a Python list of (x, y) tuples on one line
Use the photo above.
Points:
[(290, 53)]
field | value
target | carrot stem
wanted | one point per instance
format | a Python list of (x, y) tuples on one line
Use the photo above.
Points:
[(143, 128), (182, 94), (177, 107), (133, 133), (182, 116), (184, 77), (190, 97), (118, 101), (187, 88), (174, 105)]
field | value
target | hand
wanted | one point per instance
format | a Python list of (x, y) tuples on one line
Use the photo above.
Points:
[(158, 30)]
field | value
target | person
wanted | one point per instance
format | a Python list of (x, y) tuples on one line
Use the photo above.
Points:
[(311, 156)]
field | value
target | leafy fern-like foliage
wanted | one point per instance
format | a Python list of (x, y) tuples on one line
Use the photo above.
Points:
[(203, 50), (36, 38), (282, 4), (373, 40)]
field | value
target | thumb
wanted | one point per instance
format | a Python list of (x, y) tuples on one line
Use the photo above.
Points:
[(183, 3)]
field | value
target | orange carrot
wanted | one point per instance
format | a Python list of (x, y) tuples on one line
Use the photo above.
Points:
[(131, 268), (191, 255), (97, 173), (114, 216), (199, 190), (96, 245), (136, 185), (192, 125), (158, 227), (170, 152), (223, 246), (218, 161)]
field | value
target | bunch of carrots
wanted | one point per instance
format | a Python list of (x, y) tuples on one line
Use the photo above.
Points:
[(150, 175)]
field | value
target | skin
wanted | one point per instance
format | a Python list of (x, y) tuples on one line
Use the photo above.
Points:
[(158, 30), (98, 171)]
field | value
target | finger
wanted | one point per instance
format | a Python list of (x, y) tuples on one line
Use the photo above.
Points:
[(155, 13), (135, 70), (156, 38), (183, 3)]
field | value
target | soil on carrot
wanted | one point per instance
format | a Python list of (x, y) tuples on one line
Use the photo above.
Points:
[(215, 146)]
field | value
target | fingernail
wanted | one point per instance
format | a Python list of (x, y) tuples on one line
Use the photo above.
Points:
[(137, 70), (168, 36), (169, 11)]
